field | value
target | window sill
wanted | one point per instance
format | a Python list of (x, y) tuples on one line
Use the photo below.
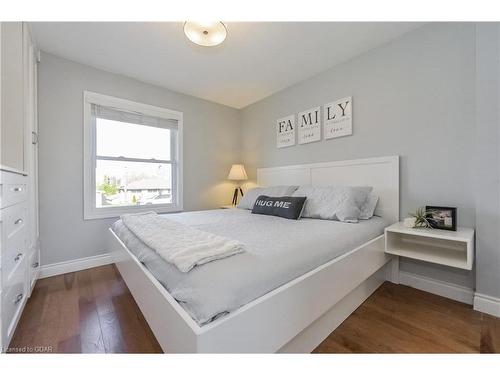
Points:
[(116, 212)]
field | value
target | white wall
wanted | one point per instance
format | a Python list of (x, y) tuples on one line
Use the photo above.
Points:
[(211, 145), (413, 97), (487, 176)]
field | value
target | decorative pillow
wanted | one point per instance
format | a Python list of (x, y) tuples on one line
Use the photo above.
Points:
[(368, 208), (334, 202), (348, 212), (248, 200), (287, 207)]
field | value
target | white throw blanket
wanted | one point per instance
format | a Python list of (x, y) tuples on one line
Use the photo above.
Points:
[(179, 244)]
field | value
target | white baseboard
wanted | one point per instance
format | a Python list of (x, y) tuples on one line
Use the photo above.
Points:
[(74, 265), (441, 288), (487, 304)]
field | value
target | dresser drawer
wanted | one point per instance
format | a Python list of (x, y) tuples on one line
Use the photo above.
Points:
[(13, 219), (12, 190), (13, 253), (13, 297)]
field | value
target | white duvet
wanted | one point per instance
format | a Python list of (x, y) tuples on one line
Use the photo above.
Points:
[(179, 244)]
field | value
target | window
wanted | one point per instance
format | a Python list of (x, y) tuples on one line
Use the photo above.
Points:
[(132, 157)]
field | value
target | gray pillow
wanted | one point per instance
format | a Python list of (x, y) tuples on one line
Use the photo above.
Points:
[(368, 209), (334, 202), (248, 200), (348, 213), (286, 207)]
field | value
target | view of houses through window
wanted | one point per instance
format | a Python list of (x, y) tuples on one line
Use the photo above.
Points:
[(121, 183), (133, 164)]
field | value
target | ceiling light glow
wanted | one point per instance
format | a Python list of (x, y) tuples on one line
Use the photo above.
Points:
[(207, 34)]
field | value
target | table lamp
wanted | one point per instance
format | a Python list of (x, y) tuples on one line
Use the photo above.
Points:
[(237, 173)]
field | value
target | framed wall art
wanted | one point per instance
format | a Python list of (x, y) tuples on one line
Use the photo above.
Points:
[(309, 125), (285, 131), (337, 118)]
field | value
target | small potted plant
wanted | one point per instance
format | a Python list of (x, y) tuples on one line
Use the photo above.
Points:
[(419, 219)]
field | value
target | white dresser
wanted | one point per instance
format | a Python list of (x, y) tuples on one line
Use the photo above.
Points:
[(14, 252), (19, 245)]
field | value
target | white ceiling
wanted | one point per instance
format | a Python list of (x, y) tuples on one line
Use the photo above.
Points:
[(256, 60)]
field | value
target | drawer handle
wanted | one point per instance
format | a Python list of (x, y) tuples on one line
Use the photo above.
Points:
[(34, 138), (35, 265), (18, 299), (18, 189), (18, 221), (18, 256)]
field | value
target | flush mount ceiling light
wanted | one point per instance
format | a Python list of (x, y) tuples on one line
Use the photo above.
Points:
[(206, 34)]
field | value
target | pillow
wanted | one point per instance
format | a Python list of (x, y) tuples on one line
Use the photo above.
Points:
[(334, 202), (287, 207), (248, 200), (348, 212), (368, 208)]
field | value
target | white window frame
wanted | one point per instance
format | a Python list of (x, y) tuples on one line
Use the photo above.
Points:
[(90, 211)]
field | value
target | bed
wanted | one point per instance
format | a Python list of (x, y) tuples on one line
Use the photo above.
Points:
[(297, 283)]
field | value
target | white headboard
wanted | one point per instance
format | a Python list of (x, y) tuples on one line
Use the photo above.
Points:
[(381, 173)]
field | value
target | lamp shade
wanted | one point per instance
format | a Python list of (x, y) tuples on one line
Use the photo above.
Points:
[(237, 173), (207, 34)]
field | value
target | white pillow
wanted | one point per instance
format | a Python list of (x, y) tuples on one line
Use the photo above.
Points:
[(334, 202), (248, 200), (368, 208)]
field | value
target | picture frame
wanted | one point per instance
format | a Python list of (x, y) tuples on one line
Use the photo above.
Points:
[(285, 131), (337, 118), (442, 217), (309, 125)]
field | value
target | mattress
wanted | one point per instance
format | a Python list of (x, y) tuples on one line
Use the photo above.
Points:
[(277, 251)]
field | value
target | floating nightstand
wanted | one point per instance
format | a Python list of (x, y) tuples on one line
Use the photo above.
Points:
[(450, 248)]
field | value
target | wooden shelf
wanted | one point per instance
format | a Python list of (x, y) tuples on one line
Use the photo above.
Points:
[(454, 249)]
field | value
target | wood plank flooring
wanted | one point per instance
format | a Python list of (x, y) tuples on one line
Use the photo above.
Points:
[(399, 319), (92, 311)]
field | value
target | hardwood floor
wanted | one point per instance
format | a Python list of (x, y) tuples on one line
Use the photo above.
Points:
[(400, 319), (89, 311), (92, 311)]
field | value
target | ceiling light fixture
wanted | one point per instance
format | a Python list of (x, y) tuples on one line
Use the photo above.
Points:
[(206, 34)]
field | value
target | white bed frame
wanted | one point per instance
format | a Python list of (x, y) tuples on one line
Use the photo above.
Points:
[(299, 315)]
